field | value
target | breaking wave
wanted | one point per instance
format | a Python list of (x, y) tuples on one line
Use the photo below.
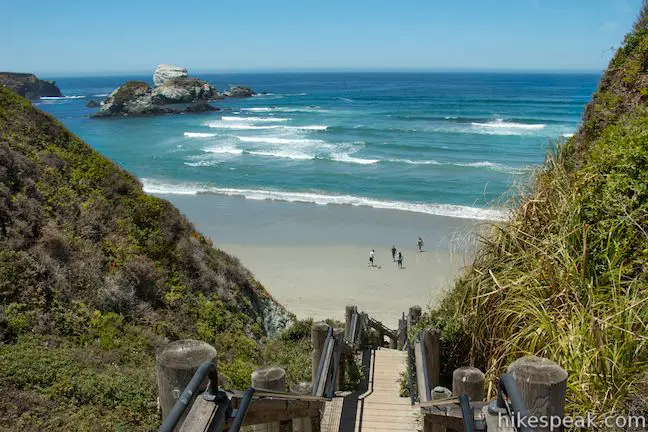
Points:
[(450, 210)]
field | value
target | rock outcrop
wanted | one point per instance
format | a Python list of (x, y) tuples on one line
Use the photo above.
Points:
[(184, 90), (136, 98), (172, 87), (239, 92), (165, 72), (93, 104), (28, 85), (201, 106)]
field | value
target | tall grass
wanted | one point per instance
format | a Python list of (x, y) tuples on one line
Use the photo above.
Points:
[(566, 277)]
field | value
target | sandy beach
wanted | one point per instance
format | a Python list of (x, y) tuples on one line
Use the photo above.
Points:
[(319, 281), (314, 259)]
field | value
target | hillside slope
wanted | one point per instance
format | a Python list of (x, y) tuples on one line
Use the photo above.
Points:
[(567, 276), (94, 274)]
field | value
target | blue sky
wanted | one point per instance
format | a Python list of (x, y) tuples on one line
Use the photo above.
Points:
[(117, 36)]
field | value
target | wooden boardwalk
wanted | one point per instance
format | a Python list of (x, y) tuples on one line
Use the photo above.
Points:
[(379, 408)]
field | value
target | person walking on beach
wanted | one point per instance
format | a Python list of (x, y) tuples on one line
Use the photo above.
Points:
[(372, 253), (400, 260), (394, 253), (420, 244)]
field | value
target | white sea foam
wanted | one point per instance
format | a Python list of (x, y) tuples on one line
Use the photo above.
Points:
[(501, 124), (276, 140), (567, 135), (203, 163), (311, 127), (414, 162), (239, 126), (457, 211), (283, 154), (347, 158), (254, 119), (224, 150), (284, 109), (61, 97), (199, 135), (228, 124), (102, 95), (478, 164)]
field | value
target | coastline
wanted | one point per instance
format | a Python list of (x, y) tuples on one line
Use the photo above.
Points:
[(313, 259)]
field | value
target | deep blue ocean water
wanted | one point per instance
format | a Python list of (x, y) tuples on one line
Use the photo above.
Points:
[(439, 143)]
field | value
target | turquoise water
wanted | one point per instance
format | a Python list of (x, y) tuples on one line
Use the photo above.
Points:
[(438, 143)]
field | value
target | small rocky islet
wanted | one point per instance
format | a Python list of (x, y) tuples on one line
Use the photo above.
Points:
[(173, 92)]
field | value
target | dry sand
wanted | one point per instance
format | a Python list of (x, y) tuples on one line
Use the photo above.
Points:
[(319, 282)]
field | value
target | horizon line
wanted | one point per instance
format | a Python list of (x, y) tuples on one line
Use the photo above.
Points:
[(65, 74)]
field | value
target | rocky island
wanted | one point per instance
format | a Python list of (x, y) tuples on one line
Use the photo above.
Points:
[(28, 85), (173, 91)]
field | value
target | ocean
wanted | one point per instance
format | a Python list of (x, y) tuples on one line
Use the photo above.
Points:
[(447, 144)]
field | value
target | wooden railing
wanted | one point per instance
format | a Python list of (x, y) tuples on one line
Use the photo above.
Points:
[(531, 381), (265, 404)]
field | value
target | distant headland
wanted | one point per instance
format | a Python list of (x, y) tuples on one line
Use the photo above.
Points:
[(28, 85)]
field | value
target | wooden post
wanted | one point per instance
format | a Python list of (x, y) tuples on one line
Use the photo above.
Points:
[(542, 384), (468, 380), (302, 424), (402, 328), (319, 331), (433, 354), (269, 378), (393, 344), (414, 316), (349, 311), (175, 364), (339, 334)]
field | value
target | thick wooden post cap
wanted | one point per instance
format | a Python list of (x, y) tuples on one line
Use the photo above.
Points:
[(302, 388), (268, 374), (537, 370), (185, 354)]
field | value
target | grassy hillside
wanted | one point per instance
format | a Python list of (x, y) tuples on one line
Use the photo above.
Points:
[(94, 275), (567, 276)]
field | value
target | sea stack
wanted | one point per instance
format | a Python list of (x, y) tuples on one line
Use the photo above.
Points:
[(165, 72)]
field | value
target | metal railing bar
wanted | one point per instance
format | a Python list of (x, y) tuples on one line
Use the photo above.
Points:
[(509, 387), (466, 413), (336, 366), (242, 410), (424, 362), (321, 382), (410, 370), (189, 393), (320, 367)]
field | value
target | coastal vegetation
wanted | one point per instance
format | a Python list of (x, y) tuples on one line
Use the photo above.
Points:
[(95, 275), (566, 277)]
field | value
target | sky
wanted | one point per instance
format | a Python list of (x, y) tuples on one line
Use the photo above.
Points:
[(76, 37)]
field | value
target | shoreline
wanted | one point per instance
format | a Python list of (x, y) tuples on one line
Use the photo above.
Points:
[(314, 259)]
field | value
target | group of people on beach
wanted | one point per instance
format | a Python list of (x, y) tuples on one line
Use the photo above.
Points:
[(395, 258)]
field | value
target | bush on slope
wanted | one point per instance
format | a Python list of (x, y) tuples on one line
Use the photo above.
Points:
[(94, 275)]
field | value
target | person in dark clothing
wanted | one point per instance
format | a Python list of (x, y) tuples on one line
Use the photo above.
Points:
[(400, 260), (420, 244), (393, 253)]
